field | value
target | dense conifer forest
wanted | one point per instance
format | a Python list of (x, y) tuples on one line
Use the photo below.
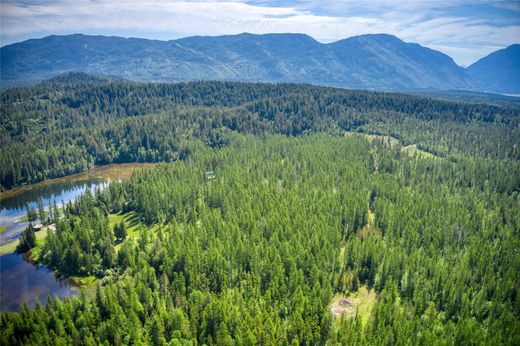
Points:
[(272, 202), (74, 121)]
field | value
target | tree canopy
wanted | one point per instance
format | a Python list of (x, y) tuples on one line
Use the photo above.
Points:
[(273, 201)]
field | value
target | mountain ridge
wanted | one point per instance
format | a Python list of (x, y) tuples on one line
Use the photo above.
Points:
[(371, 61), (500, 70)]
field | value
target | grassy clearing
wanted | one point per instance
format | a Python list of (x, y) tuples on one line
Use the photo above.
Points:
[(389, 140), (369, 228), (9, 247), (132, 221), (412, 150), (40, 237), (367, 300), (342, 256), (3, 229), (84, 281), (360, 303), (134, 225)]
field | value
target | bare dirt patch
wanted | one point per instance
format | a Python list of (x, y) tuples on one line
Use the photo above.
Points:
[(344, 307), (360, 303)]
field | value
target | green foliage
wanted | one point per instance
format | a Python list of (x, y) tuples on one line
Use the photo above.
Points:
[(267, 208), (27, 240), (59, 128), (255, 253), (41, 210), (32, 214), (120, 230)]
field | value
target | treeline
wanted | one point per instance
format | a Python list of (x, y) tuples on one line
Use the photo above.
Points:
[(248, 244), (68, 124)]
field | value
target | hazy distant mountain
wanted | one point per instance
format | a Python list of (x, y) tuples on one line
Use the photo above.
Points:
[(384, 61), (500, 70), (368, 61)]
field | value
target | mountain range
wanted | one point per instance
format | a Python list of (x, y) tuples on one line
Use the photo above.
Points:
[(379, 61)]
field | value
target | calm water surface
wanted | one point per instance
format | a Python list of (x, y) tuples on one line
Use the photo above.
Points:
[(22, 281), (13, 208)]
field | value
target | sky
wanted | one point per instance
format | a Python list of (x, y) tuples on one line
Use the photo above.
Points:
[(465, 30)]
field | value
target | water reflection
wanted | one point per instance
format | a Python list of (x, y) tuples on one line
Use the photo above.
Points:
[(13, 208), (13, 231), (57, 191), (24, 282), (20, 280)]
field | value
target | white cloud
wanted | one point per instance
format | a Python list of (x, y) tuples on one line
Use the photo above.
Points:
[(415, 21)]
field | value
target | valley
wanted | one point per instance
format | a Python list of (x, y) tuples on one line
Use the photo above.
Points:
[(264, 214), (260, 172)]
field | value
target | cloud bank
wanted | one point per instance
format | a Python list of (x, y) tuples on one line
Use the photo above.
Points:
[(465, 30)]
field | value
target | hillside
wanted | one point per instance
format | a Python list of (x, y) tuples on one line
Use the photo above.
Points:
[(74, 121), (499, 71), (368, 61)]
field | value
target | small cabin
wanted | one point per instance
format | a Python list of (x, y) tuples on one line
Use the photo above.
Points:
[(39, 227), (210, 175)]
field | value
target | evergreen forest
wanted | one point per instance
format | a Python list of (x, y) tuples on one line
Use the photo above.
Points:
[(270, 204)]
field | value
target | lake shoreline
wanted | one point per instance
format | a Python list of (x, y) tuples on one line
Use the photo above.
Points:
[(104, 173), (36, 282), (113, 171), (24, 277)]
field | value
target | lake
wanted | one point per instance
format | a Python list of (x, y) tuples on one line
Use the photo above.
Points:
[(25, 282), (22, 281), (12, 208)]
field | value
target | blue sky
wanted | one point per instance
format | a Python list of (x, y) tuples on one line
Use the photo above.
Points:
[(465, 30)]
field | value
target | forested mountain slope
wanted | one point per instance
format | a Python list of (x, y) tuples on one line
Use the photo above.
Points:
[(75, 121), (367, 61)]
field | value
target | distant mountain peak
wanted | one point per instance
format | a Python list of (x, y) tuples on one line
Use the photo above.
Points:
[(380, 36), (373, 61), (500, 70)]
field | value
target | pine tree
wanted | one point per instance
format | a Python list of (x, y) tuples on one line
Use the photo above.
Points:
[(32, 214), (27, 240), (120, 230), (41, 210), (157, 332)]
